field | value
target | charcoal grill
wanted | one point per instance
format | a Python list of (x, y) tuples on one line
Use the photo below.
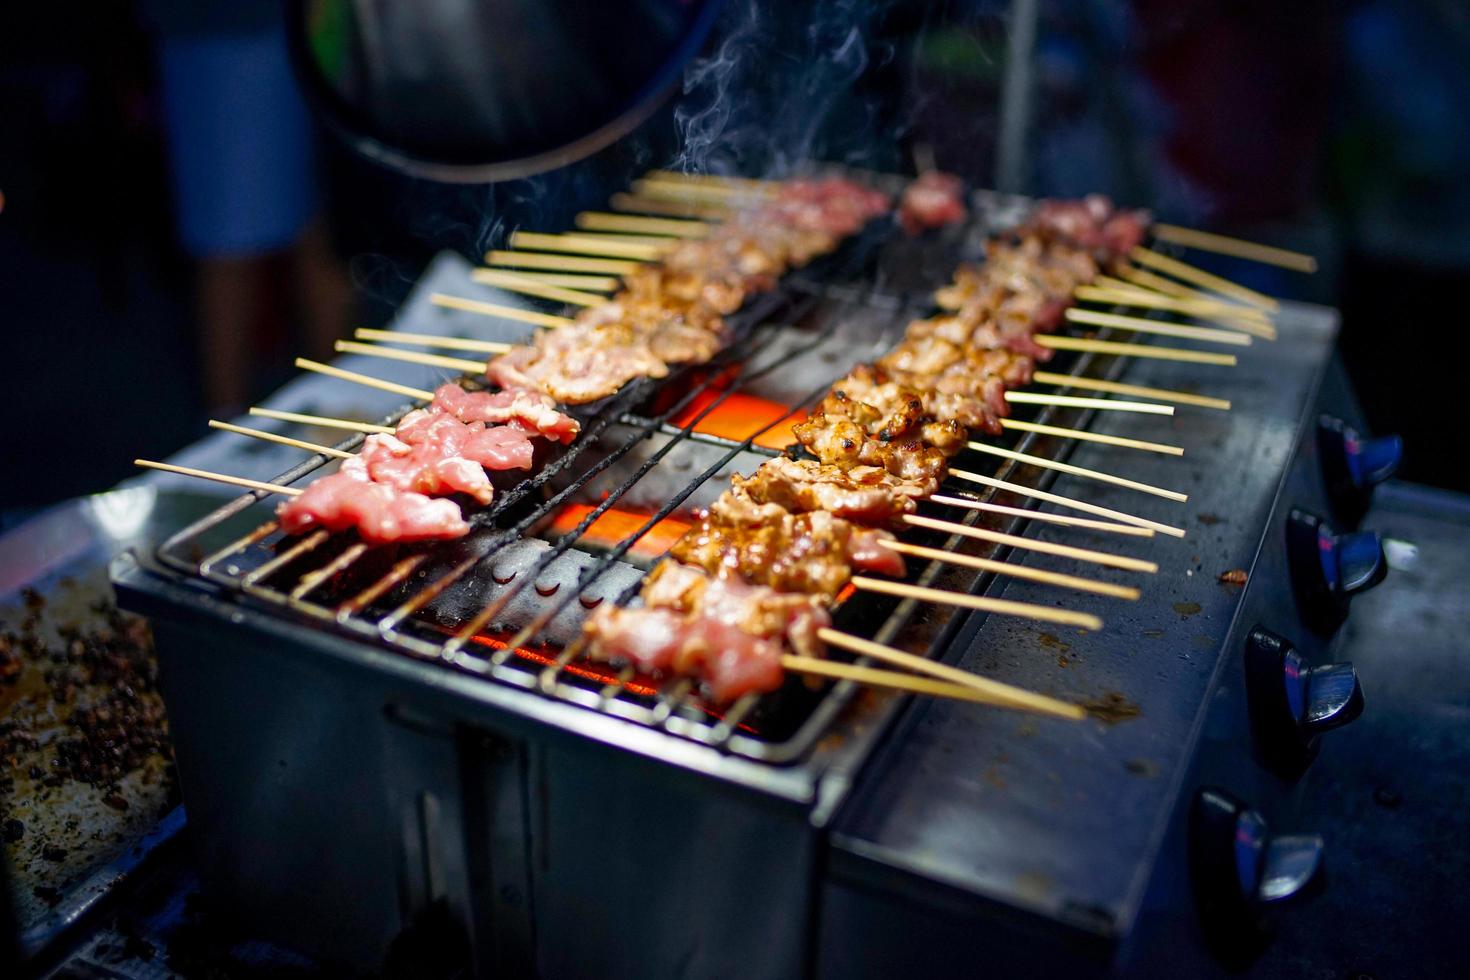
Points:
[(361, 756), (345, 587)]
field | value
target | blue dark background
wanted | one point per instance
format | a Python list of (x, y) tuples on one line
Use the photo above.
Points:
[(1337, 128)]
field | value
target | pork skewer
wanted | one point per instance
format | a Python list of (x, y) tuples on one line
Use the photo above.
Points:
[(730, 635), (349, 499)]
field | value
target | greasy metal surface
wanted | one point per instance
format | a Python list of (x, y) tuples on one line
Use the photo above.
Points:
[(1062, 820), (63, 555)]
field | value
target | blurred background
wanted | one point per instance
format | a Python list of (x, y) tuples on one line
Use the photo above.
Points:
[(174, 229)]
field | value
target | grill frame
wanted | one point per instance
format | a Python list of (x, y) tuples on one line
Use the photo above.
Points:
[(674, 710)]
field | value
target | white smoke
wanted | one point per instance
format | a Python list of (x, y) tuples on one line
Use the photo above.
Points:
[(768, 99)]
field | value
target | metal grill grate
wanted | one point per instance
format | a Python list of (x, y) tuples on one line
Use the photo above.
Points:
[(391, 589)]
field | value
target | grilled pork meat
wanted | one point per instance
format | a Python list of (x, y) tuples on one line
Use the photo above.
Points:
[(862, 494), (672, 312), (813, 553), (720, 630), (1093, 223)]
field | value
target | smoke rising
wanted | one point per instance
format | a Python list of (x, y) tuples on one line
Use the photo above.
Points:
[(782, 89)]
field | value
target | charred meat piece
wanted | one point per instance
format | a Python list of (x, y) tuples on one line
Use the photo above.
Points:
[(841, 442), (813, 553), (969, 395), (671, 312), (863, 494)]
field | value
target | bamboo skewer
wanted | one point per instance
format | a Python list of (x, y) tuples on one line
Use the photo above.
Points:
[(1050, 464), (1144, 279), (575, 281), (283, 440), (1106, 289), (1072, 401), (1067, 520), (1004, 694), (638, 204), (1242, 315), (1056, 498), (1140, 391), (1031, 544), (1004, 607), (410, 356), (496, 309), (662, 242), (433, 340), (1202, 309), (1199, 277), (560, 263), (1061, 342), (520, 283), (363, 379), (582, 245), (236, 481), (682, 190), (1083, 435), (673, 227), (1016, 571), (324, 421), (1137, 324), (892, 680), (1223, 244)]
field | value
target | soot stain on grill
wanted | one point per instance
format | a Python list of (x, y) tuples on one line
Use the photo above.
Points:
[(1112, 707), (1187, 609), (1053, 641)]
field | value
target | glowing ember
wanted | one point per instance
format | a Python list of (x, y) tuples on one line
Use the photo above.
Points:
[(740, 416), (618, 525)]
